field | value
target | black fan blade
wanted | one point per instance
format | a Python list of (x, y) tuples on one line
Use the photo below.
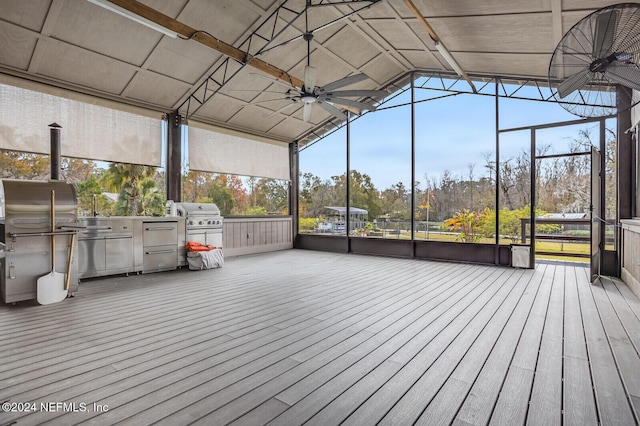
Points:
[(347, 102), (627, 75), (352, 79), (358, 93), (573, 83), (606, 25), (332, 110)]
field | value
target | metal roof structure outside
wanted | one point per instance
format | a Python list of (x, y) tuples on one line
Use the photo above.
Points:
[(341, 211)]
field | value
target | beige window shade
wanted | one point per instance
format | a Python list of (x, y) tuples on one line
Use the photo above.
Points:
[(89, 131), (221, 151)]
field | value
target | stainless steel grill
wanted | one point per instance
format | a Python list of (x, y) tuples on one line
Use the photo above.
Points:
[(203, 222)]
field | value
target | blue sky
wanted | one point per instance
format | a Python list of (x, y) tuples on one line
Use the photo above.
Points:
[(453, 133)]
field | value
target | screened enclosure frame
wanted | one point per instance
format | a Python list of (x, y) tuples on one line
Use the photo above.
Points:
[(486, 253), (598, 213)]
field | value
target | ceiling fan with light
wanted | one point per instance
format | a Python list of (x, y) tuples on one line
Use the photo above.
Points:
[(326, 97)]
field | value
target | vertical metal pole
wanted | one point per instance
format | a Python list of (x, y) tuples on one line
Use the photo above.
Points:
[(497, 228), (348, 189), (174, 156), (625, 164), (634, 171), (54, 155), (532, 251), (603, 177), (413, 164), (624, 158), (294, 172)]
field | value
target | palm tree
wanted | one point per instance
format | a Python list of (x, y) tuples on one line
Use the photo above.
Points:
[(152, 201), (128, 179)]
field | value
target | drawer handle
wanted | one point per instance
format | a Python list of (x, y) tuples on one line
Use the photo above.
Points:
[(161, 251), (167, 228)]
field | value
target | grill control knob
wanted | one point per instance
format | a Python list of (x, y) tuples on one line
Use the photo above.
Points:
[(200, 223), (190, 222)]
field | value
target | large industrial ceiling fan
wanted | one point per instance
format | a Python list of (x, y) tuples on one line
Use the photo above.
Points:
[(326, 97), (597, 57)]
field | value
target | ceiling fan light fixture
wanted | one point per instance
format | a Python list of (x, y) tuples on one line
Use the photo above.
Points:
[(136, 18), (308, 99), (450, 59)]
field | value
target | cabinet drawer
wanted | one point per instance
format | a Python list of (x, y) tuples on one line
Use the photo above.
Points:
[(160, 233), (159, 258)]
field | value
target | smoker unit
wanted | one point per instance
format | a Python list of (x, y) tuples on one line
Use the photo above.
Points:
[(25, 230), (203, 222)]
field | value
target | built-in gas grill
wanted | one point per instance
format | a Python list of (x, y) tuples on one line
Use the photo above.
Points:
[(203, 222)]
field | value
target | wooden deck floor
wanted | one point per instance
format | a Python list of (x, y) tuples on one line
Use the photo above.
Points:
[(300, 337)]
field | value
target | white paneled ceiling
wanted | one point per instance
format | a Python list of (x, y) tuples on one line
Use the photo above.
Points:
[(78, 45)]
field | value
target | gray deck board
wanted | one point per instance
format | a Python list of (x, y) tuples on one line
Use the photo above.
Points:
[(578, 399), (446, 403), (545, 406), (611, 397), (479, 402), (198, 393), (623, 349), (297, 337), (323, 373), (322, 358), (337, 410), (513, 402), (403, 338), (448, 349)]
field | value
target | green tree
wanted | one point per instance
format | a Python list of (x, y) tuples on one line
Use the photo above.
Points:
[(511, 223), (195, 185), (86, 191), (364, 194), (256, 211), (396, 202), (129, 181), (271, 194), (152, 201), (316, 192), (220, 194)]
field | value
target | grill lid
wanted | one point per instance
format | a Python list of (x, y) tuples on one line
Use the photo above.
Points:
[(197, 209)]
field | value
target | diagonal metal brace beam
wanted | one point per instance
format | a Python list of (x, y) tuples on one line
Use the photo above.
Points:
[(236, 59), (206, 39), (259, 42)]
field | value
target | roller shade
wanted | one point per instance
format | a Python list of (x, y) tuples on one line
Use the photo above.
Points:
[(221, 151), (89, 131)]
